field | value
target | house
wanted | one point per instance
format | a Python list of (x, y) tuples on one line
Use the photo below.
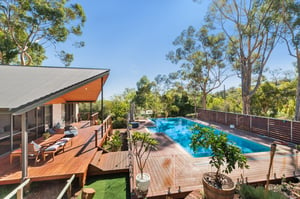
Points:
[(34, 99)]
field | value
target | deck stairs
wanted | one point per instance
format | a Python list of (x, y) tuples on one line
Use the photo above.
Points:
[(108, 162)]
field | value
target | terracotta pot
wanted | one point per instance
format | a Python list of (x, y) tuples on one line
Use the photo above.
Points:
[(142, 184), (212, 192)]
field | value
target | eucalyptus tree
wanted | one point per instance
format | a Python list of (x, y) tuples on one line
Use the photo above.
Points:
[(290, 12), (252, 28), (202, 57), (8, 50), (32, 25)]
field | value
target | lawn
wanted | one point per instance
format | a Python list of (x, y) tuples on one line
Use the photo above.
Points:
[(110, 186)]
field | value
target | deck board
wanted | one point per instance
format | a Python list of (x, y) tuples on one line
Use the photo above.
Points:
[(74, 160), (170, 167), (114, 161)]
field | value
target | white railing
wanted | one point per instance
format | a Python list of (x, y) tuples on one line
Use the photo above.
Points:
[(67, 188), (18, 190)]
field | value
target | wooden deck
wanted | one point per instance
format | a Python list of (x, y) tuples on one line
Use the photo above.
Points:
[(112, 162), (171, 168), (74, 160)]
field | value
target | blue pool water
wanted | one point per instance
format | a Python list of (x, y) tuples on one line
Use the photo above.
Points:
[(178, 129)]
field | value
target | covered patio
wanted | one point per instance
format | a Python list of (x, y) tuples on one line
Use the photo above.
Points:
[(74, 160), (56, 91)]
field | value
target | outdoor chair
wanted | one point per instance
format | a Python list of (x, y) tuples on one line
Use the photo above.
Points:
[(15, 153), (33, 153), (56, 147)]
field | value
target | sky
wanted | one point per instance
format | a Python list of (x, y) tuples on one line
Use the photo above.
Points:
[(132, 38)]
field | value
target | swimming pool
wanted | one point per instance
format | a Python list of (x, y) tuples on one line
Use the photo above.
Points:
[(178, 129)]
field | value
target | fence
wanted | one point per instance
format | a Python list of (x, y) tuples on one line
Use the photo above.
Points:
[(285, 130)]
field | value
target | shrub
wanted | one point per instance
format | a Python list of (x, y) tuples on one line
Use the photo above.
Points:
[(224, 155), (115, 142), (119, 123), (250, 192)]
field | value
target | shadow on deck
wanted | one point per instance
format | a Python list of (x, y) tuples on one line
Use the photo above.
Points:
[(76, 159)]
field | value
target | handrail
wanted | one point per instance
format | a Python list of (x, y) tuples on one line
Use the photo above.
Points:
[(67, 186), (17, 189)]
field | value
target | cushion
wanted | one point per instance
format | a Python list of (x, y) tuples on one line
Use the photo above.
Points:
[(60, 143), (66, 139), (51, 131), (36, 146), (53, 147)]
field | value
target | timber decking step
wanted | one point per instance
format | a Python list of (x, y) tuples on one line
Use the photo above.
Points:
[(111, 162), (95, 161)]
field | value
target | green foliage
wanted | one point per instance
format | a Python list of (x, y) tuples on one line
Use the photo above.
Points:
[(84, 109), (33, 24), (144, 98), (202, 58), (143, 144), (224, 154), (274, 100), (250, 192), (8, 49), (119, 123), (249, 28), (115, 142)]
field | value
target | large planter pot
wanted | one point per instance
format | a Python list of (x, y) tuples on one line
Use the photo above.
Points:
[(142, 184), (212, 192)]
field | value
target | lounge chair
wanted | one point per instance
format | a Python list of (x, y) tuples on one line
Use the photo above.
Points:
[(54, 148)]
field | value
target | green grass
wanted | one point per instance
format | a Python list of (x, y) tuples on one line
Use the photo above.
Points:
[(110, 186), (6, 189)]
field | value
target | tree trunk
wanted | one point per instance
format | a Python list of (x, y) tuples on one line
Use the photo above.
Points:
[(246, 104), (204, 101), (87, 193), (297, 111), (246, 86)]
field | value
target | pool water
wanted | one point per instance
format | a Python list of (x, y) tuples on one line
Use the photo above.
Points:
[(178, 129)]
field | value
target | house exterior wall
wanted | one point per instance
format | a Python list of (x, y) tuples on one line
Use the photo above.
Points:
[(58, 114)]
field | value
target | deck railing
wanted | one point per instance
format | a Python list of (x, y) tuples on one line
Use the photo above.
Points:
[(18, 190), (285, 130), (67, 188), (105, 130)]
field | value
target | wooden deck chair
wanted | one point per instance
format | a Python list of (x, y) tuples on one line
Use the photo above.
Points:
[(33, 152)]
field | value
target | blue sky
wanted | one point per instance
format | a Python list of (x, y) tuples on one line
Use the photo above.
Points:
[(132, 38)]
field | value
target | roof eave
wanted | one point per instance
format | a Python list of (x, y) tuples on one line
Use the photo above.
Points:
[(41, 101)]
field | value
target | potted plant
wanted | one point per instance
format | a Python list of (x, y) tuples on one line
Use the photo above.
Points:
[(143, 144), (224, 157)]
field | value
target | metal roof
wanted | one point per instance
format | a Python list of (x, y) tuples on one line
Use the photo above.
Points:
[(25, 87)]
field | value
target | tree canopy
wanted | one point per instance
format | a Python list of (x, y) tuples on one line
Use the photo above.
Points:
[(252, 29), (28, 26), (202, 57)]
